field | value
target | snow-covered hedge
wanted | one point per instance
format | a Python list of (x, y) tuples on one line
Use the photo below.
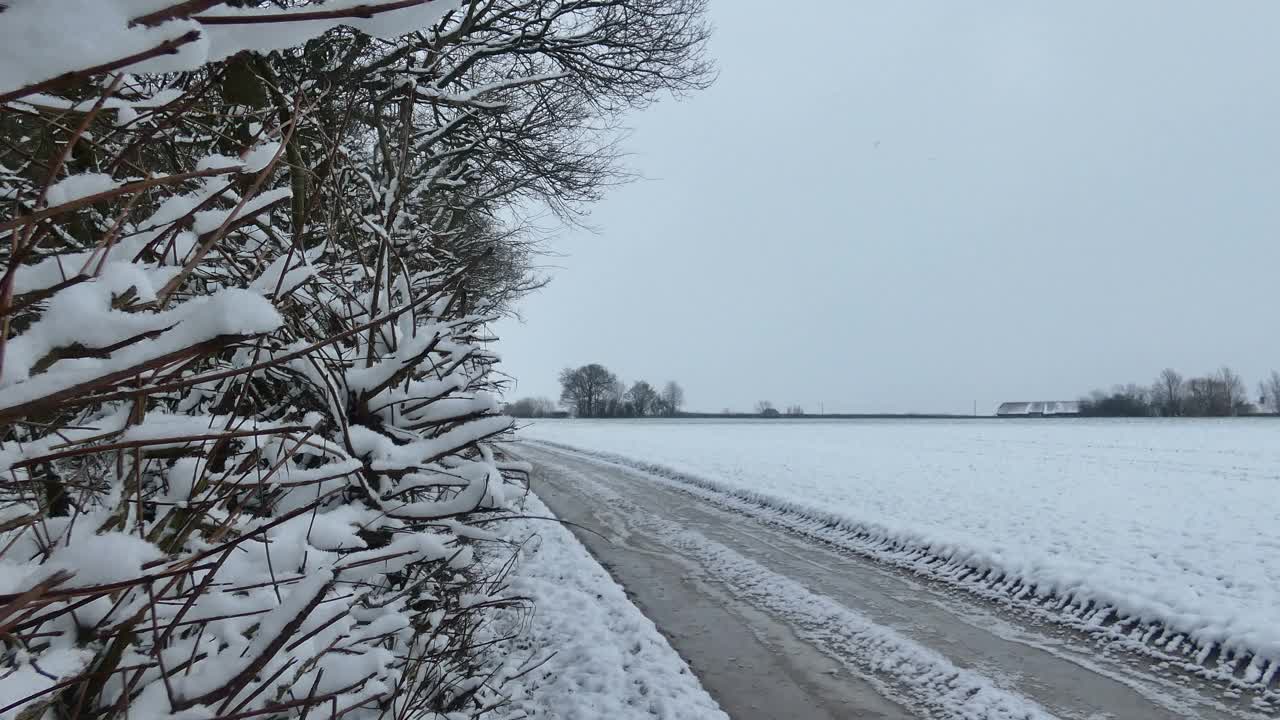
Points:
[(250, 250)]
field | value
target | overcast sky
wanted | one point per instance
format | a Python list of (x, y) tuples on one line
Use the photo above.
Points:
[(912, 205)]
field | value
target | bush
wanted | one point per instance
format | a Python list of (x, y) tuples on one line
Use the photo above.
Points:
[(246, 391)]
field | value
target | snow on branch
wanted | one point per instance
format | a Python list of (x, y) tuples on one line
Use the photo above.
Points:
[(248, 405)]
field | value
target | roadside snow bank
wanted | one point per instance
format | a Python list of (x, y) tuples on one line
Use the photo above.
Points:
[(1159, 534), (587, 652)]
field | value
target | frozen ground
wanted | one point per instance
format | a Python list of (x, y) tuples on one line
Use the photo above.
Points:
[(780, 620), (1160, 533), (588, 653)]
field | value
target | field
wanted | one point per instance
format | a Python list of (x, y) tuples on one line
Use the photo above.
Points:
[(1169, 526)]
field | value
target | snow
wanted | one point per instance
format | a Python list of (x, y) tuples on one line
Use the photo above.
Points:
[(609, 662), (29, 679), (286, 273), (387, 455), (901, 669), (300, 601), (1163, 522), (227, 40), (108, 557), (257, 159), (218, 162), (75, 187), (42, 39), (206, 221), (84, 311)]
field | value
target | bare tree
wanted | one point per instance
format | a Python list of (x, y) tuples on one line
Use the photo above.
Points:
[(586, 390), (531, 407), (1140, 393), (672, 398), (1168, 391), (643, 398), (1218, 395), (615, 402), (1231, 391), (1198, 400), (763, 407), (796, 410), (1271, 390), (1124, 401)]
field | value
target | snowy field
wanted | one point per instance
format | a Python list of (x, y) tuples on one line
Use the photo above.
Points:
[(1173, 523)]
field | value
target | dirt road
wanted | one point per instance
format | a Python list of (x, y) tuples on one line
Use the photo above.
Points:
[(780, 626)]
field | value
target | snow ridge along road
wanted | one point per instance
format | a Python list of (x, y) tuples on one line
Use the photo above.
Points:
[(782, 619)]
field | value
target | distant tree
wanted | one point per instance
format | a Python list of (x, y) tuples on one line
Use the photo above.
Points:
[(644, 399), (531, 407), (1167, 393), (795, 410), (1272, 392), (1199, 399), (614, 403), (586, 390), (672, 397), (1141, 396), (1127, 401), (764, 408), (1233, 393), (1218, 395)]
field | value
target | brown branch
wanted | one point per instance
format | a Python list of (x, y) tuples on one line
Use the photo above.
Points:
[(102, 589), (168, 47), (275, 361), (181, 10), (359, 11), (128, 444), (235, 684), (80, 393), (126, 189)]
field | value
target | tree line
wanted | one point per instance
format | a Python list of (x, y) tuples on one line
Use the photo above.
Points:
[(765, 408), (593, 391), (1219, 394)]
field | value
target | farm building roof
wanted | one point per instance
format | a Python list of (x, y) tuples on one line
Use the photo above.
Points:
[(1039, 407)]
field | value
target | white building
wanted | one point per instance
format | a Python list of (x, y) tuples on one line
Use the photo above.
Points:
[(1039, 408)]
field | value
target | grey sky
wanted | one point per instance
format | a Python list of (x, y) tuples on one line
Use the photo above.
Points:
[(909, 206)]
